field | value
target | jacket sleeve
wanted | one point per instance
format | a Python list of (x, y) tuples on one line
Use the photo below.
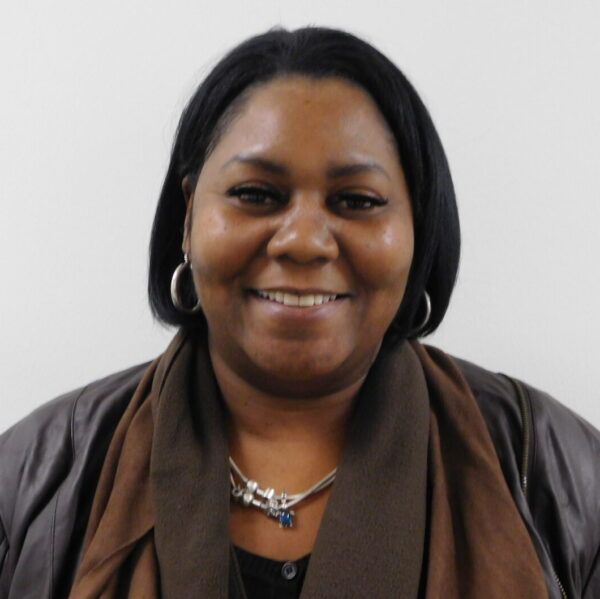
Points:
[(3, 546), (35, 454), (49, 465), (565, 492), (592, 586)]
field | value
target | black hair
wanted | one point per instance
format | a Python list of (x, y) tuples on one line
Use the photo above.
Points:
[(317, 52)]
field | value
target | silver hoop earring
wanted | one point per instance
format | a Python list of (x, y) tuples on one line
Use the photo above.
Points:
[(423, 324), (175, 284)]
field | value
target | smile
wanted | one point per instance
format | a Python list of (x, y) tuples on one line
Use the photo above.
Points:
[(305, 300)]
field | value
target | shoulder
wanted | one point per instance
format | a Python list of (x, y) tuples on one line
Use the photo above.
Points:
[(55, 431), (59, 446), (559, 436), (551, 459), (54, 426)]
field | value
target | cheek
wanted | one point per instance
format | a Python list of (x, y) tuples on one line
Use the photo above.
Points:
[(217, 251), (384, 259)]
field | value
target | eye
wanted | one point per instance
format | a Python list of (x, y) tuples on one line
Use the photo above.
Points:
[(357, 201), (257, 195)]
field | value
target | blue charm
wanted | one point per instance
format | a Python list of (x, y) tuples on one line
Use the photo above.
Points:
[(286, 519)]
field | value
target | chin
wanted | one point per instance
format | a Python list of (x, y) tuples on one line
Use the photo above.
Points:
[(296, 371)]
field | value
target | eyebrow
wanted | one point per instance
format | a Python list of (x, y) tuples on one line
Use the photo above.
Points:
[(335, 171)]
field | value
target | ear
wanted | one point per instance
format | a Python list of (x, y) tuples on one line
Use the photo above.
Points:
[(188, 195)]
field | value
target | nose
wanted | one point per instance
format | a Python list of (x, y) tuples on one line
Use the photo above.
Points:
[(304, 234)]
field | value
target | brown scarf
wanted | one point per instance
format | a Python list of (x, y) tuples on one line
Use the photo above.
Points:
[(419, 507)]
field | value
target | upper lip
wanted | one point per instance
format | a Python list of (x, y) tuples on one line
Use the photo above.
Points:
[(297, 291)]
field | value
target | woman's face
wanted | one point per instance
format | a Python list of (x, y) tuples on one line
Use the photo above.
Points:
[(300, 235)]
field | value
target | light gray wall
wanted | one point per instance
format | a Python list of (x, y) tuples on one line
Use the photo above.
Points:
[(91, 93)]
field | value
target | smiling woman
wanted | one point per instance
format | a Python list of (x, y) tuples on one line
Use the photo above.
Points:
[(295, 438)]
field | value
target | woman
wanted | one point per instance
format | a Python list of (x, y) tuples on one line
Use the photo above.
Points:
[(305, 236)]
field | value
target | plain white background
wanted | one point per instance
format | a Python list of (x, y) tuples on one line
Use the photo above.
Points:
[(91, 95)]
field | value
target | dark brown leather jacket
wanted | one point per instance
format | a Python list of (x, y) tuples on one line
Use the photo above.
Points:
[(50, 463)]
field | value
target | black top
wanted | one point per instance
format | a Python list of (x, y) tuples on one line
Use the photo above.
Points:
[(270, 579)]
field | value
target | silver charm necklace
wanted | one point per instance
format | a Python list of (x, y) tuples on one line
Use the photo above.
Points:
[(249, 494)]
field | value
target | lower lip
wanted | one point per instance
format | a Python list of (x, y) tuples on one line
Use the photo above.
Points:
[(299, 312)]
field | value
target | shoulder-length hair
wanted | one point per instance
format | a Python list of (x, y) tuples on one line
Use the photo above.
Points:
[(317, 52)]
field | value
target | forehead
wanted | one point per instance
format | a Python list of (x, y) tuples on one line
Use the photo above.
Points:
[(305, 115)]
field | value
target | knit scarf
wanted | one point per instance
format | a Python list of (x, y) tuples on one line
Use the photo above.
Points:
[(419, 507)]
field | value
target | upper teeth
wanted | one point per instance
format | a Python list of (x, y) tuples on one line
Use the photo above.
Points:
[(292, 299)]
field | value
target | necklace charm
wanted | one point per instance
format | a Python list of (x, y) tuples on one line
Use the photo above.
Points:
[(273, 505), (250, 494), (286, 519), (285, 516)]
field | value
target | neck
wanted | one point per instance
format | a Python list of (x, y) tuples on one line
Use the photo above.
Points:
[(274, 418), (281, 441)]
